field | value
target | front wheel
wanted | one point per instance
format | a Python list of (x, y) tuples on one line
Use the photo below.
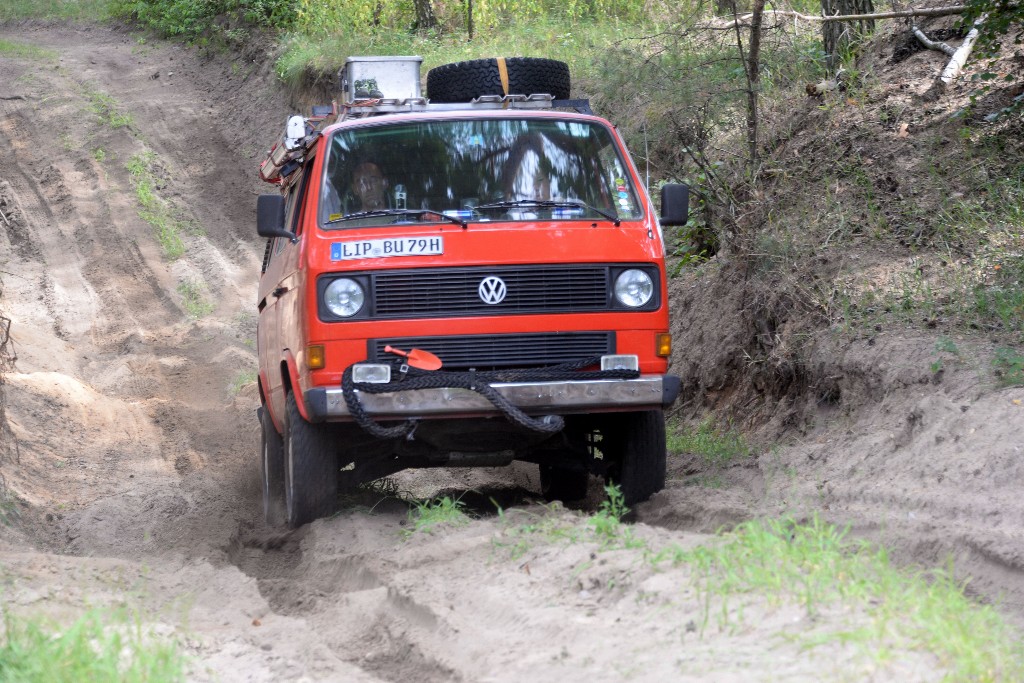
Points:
[(310, 469), (634, 444)]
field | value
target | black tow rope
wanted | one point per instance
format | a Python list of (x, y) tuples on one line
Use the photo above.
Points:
[(480, 382)]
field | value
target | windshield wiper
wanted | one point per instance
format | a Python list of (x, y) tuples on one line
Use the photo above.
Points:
[(399, 212), (550, 204)]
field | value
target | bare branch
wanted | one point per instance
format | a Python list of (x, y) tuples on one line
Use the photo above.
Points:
[(922, 12), (931, 44), (956, 64)]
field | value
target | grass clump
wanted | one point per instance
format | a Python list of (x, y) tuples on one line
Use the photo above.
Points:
[(63, 10), (10, 48), (94, 648), (816, 565), (715, 446), (243, 378), (426, 516), (193, 299), (142, 169), (1008, 365), (107, 109)]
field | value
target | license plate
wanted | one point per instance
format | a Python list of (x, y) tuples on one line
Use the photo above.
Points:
[(390, 246)]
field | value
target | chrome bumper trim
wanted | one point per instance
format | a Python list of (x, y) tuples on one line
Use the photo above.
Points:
[(564, 397)]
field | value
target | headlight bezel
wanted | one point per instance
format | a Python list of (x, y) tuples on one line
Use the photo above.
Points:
[(653, 285), (328, 314)]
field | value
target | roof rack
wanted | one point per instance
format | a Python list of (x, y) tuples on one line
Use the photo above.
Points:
[(375, 107)]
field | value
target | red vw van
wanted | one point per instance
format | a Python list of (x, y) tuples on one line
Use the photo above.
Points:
[(467, 280)]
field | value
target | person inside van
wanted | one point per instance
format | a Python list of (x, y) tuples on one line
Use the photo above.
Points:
[(369, 186)]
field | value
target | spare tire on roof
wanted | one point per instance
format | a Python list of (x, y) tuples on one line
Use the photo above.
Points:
[(462, 81)]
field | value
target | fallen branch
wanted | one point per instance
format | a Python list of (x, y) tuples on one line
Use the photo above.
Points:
[(956, 62), (931, 44), (922, 12)]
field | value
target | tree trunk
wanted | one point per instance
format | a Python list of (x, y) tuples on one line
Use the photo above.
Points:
[(754, 79), (838, 36), (425, 18)]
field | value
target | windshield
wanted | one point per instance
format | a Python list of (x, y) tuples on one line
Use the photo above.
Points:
[(482, 170)]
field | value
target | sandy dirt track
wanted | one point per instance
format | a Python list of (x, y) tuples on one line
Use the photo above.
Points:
[(136, 437)]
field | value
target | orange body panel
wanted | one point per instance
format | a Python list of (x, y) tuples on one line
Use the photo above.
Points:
[(289, 318)]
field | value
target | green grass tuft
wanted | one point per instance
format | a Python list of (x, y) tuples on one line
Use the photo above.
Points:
[(816, 565), (242, 379), (1009, 367), (153, 209), (715, 446), (10, 48), (426, 516), (97, 647), (107, 109), (193, 299)]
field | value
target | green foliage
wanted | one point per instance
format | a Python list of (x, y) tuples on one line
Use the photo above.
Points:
[(96, 647), (716, 446), (606, 523), (242, 379), (818, 566), (59, 10), (190, 19), (107, 109), (426, 516), (322, 18), (1009, 367), (143, 169), (193, 299), (10, 48), (1005, 18)]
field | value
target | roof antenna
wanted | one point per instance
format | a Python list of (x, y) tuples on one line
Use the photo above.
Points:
[(647, 162)]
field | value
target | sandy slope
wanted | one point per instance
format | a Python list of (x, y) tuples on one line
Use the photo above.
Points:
[(137, 469)]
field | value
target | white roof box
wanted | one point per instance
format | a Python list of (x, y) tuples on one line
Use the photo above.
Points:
[(388, 78)]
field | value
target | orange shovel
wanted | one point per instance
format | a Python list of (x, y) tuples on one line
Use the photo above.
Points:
[(417, 358)]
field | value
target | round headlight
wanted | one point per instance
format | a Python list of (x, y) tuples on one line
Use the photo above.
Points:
[(344, 297), (633, 288)]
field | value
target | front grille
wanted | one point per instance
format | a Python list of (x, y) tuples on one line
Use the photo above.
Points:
[(455, 291), (496, 351)]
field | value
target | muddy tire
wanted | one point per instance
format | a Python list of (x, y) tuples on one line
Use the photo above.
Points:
[(562, 483), (635, 445), (462, 81), (310, 469), (271, 469)]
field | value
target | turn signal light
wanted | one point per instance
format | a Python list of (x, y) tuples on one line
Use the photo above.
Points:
[(663, 345), (315, 359)]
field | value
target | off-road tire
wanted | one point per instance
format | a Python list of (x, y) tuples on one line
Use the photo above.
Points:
[(563, 483), (310, 469), (635, 445), (462, 81), (271, 469)]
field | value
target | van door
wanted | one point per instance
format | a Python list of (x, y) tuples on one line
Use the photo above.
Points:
[(280, 265)]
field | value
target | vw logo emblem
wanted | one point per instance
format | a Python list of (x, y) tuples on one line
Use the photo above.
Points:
[(492, 290)]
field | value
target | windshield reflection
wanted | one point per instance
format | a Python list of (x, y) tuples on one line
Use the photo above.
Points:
[(452, 167)]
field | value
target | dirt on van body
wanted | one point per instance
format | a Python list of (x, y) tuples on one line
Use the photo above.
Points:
[(133, 469)]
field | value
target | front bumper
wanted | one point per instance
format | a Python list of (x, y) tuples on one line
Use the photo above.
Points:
[(648, 392)]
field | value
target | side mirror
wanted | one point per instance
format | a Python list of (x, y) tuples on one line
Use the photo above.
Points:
[(270, 217), (675, 204)]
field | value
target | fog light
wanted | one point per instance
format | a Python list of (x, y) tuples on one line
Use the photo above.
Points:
[(622, 362), (663, 345), (315, 359), (371, 373)]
